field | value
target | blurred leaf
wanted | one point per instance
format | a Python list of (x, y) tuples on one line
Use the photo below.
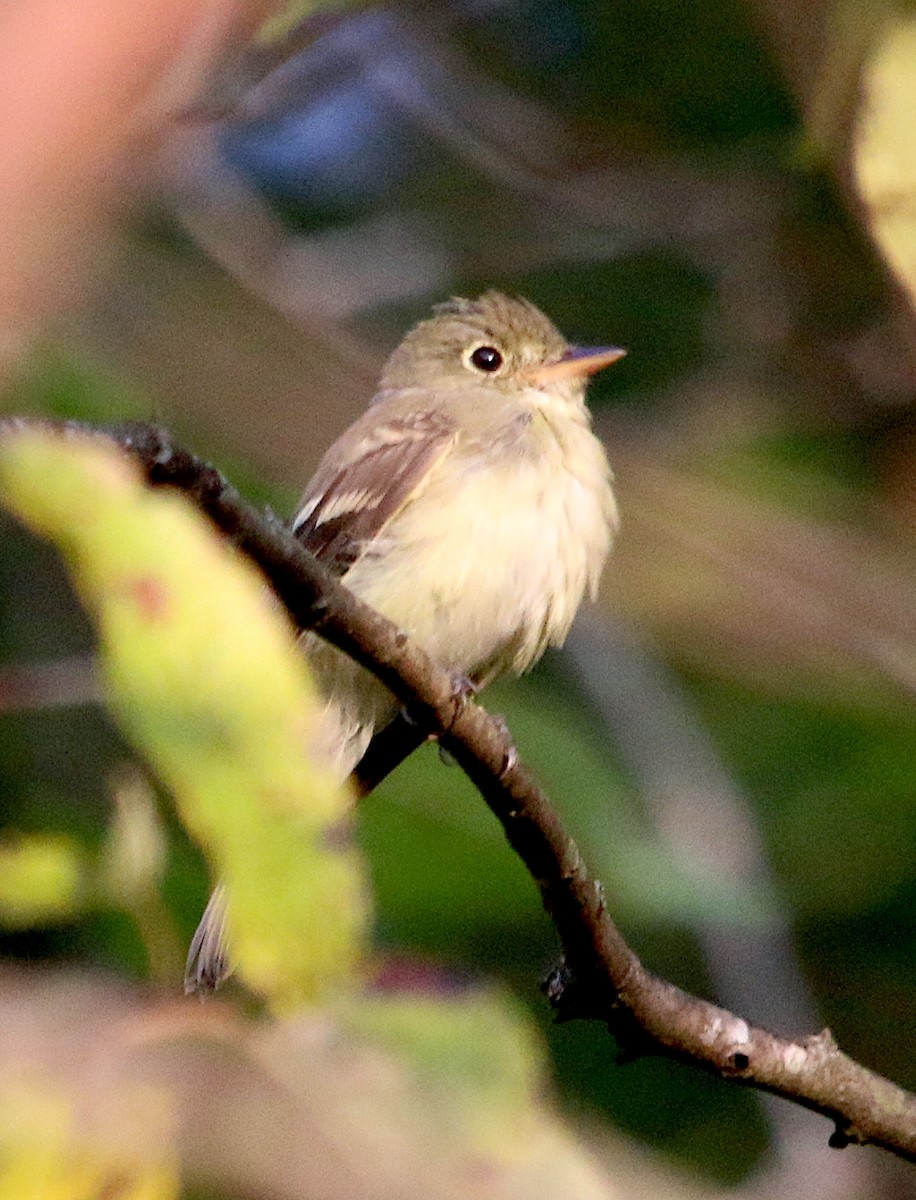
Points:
[(474, 1050), (884, 152), (438, 1097), (43, 1155), (41, 879), (204, 677)]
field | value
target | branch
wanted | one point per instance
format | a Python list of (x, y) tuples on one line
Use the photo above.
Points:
[(600, 977)]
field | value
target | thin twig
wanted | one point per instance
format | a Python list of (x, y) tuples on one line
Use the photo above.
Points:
[(601, 977)]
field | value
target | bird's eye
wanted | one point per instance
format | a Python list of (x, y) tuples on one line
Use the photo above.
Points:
[(487, 358)]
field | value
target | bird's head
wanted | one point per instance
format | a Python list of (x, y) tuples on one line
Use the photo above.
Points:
[(495, 342)]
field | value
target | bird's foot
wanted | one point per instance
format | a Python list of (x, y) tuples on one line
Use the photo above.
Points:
[(510, 755), (463, 687)]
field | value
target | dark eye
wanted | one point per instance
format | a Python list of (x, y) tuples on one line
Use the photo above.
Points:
[(487, 358)]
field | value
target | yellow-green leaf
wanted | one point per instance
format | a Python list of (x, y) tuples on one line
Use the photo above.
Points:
[(884, 151), (41, 879), (203, 674), (44, 1155)]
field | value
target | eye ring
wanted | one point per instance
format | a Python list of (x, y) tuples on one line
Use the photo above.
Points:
[(486, 358)]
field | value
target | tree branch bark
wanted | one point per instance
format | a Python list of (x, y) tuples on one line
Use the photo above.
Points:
[(600, 977)]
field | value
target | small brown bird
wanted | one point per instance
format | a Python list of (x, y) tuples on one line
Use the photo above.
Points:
[(471, 504)]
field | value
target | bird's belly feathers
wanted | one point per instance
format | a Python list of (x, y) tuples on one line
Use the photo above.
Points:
[(500, 575)]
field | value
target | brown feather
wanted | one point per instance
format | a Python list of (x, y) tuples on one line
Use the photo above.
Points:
[(349, 502)]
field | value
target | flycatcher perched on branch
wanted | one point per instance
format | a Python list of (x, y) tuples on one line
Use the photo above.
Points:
[(471, 504)]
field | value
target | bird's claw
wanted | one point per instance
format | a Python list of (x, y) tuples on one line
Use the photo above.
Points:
[(510, 762), (463, 687), (510, 756)]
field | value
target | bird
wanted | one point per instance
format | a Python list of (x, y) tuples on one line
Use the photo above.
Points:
[(471, 504)]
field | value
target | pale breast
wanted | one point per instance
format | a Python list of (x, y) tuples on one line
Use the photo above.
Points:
[(490, 564)]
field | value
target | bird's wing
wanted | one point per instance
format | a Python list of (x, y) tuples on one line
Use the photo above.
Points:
[(365, 481)]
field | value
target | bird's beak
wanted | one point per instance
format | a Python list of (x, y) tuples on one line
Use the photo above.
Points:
[(576, 362)]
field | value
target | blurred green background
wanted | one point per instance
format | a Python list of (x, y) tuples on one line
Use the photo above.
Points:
[(731, 734)]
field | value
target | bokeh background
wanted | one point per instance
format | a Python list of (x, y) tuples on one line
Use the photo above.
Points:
[(225, 230)]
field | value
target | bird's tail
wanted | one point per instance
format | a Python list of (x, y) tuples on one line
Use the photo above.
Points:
[(208, 959)]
